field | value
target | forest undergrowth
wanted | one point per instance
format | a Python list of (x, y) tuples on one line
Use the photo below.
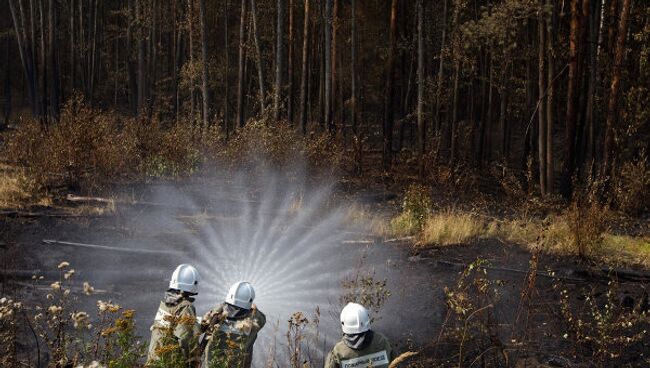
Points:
[(93, 152), (600, 329)]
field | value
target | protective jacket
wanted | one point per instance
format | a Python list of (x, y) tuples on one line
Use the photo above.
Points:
[(175, 321), (370, 349), (231, 332)]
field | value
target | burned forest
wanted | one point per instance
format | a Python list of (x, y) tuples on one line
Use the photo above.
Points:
[(324, 183)]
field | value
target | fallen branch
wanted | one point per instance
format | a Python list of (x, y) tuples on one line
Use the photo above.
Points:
[(44, 214), (358, 242), (111, 248), (85, 274), (513, 270), (399, 240)]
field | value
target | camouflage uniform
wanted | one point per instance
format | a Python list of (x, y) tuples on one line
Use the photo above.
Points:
[(376, 353), (231, 333), (178, 308)]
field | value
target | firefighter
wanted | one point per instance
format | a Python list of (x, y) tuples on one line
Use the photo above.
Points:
[(175, 321), (360, 346), (231, 329)]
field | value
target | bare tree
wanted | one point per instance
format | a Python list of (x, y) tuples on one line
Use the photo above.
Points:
[(353, 68), (25, 50), (242, 61), (142, 74), (204, 62), (55, 89), (420, 108), (571, 114), (542, 91), (612, 105), (328, 66), (304, 72), (389, 112), (279, 60), (290, 66), (550, 94), (441, 67), (260, 71)]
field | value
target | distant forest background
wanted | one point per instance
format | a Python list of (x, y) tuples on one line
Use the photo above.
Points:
[(555, 91)]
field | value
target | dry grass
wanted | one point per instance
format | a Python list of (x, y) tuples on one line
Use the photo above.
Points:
[(367, 219), (626, 249), (452, 227), (18, 190)]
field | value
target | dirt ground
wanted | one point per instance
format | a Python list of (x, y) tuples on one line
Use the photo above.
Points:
[(412, 318)]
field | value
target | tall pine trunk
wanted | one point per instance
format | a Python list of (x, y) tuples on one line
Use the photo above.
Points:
[(26, 54), (420, 76), (279, 60), (242, 61), (389, 97), (541, 142), (290, 67), (204, 62), (304, 71), (353, 68), (327, 91), (571, 113), (258, 49), (441, 68), (55, 90), (612, 105), (550, 107), (142, 77)]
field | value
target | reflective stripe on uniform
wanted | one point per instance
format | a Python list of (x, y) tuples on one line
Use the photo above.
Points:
[(162, 318), (231, 329), (375, 360)]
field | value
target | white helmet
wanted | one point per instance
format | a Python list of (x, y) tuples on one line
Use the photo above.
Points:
[(354, 319), (241, 294), (185, 278)]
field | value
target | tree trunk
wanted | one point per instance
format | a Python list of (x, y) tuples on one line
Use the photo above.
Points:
[(6, 108), (242, 61), (44, 64), (226, 92), (73, 71), (279, 60), (93, 55), (142, 78), (290, 67), (190, 16), (25, 53), (594, 53), (204, 61), (258, 50), (441, 67), (612, 105), (179, 53), (334, 87), (420, 108), (328, 67), (389, 112), (304, 71), (571, 99), (542, 106), (353, 68), (550, 108), (55, 89), (454, 114)]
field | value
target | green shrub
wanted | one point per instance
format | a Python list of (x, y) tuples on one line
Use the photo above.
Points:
[(415, 211)]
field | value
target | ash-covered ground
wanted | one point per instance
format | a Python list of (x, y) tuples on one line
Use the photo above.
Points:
[(295, 242)]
